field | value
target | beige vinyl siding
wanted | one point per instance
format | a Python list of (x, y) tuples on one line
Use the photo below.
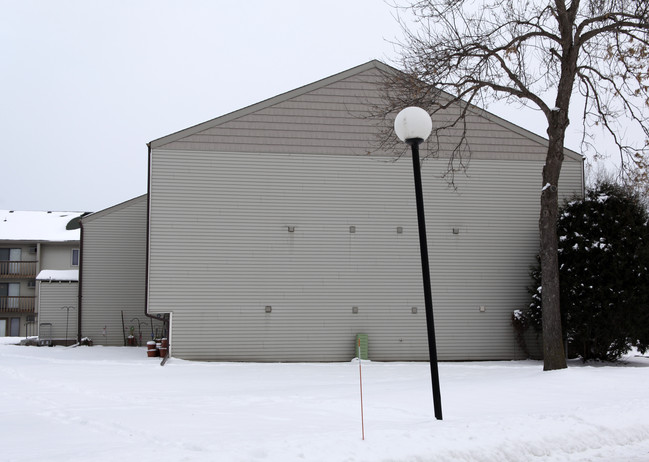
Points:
[(113, 272), (337, 119), (53, 297), (58, 255), (220, 251)]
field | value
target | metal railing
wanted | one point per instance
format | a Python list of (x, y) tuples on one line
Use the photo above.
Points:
[(17, 304), (18, 269)]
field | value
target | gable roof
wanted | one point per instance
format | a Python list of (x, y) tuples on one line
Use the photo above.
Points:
[(230, 132), (32, 226), (374, 64), (114, 208)]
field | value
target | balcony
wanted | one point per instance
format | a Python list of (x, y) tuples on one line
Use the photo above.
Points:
[(18, 269), (17, 304)]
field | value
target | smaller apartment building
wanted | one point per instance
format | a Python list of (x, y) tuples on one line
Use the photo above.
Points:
[(112, 281), (31, 242)]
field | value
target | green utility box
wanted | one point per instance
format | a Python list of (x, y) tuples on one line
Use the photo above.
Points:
[(361, 339)]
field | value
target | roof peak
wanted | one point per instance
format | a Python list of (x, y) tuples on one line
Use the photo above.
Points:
[(373, 64)]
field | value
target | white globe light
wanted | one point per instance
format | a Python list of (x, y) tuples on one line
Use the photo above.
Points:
[(413, 122)]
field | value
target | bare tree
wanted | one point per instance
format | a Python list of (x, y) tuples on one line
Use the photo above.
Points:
[(542, 54)]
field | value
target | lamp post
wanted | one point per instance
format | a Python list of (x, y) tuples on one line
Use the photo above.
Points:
[(413, 125)]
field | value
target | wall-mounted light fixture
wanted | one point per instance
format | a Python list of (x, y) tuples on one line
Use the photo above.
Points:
[(355, 309), (352, 229), (268, 309), (291, 229), (413, 310), (456, 230), (399, 230)]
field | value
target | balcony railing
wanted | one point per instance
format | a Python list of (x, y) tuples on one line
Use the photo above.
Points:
[(18, 269), (17, 304)]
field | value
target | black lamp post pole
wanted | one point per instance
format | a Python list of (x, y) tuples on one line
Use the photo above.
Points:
[(428, 296)]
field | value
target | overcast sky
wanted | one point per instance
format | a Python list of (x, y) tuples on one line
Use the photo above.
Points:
[(85, 84)]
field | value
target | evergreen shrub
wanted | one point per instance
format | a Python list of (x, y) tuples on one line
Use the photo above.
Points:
[(603, 273)]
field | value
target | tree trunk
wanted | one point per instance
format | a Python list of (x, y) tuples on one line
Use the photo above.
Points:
[(553, 352)]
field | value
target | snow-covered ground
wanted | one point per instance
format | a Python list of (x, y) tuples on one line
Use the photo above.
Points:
[(109, 404)]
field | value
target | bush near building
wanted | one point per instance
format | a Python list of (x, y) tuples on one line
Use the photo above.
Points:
[(604, 275)]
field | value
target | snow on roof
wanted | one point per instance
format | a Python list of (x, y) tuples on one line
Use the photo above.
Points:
[(58, 275), (18, 225)]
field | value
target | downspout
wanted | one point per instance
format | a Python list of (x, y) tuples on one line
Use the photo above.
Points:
[(37, 302), (38, 321), (164, 319), (80, 291)]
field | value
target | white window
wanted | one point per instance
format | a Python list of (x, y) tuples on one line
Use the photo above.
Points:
[(75, 257)]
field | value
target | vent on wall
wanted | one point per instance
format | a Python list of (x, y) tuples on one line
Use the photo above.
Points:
[(31, 284)]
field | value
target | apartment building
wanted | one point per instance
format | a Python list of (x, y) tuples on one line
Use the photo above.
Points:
[(275, 233), (31, 242)]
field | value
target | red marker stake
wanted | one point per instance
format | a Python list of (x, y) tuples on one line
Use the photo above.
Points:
[(360, 375)]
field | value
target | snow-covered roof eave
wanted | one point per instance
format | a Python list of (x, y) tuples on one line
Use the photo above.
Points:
[(42, 241), (34, 227), (58, 276)]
